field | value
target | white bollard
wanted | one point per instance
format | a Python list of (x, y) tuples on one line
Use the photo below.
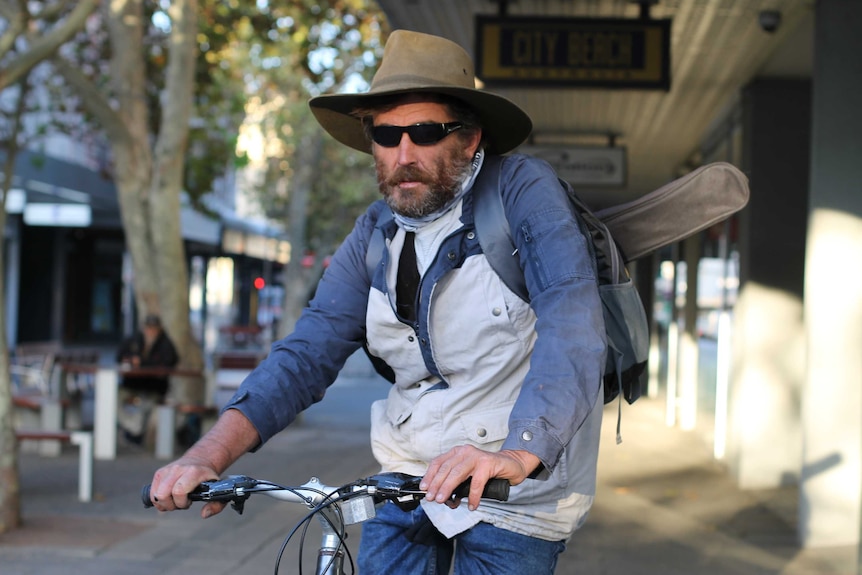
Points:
[(52, 420), (84, 441), (165, 429), (105, 414)]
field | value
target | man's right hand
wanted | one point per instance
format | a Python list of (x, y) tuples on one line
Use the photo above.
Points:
[(231, 437), (173, 482)]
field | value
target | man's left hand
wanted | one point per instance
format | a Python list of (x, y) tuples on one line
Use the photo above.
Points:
[(449, 470)]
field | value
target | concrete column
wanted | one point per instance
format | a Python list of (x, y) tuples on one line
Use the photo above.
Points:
[(763, 447), (105, 417), (831, 479), (688, 350), (166, 427)]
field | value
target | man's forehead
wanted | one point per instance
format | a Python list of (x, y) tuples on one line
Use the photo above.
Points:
[(421, 109)]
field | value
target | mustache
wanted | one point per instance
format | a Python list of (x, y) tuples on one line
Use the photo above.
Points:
[(408, 174)]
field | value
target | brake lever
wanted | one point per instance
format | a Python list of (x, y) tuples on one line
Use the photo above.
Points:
[(234, 488)]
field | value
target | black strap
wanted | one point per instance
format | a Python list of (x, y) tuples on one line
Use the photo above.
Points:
[(407, 284)]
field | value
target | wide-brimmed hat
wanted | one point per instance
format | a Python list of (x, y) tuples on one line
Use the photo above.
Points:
[(416, 63)]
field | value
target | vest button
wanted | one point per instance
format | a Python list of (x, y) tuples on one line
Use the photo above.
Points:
[(451, 256), (471, 235)]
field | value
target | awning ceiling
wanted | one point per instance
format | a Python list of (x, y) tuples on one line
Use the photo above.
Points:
[(717, 47)]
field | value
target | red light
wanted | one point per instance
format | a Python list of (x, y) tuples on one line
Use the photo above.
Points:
[(259, 283)]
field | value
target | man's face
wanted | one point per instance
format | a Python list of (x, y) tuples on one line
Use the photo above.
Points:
[(417, 180)]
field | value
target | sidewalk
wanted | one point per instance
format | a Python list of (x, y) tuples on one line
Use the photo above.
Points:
[(663, 507)]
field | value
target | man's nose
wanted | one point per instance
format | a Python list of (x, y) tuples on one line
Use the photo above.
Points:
[(406, 150)]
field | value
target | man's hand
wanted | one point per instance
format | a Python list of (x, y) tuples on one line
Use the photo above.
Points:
[(173, 482), (449, 470), (232, 436)]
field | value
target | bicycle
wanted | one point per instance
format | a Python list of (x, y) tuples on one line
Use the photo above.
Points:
[(335, 507)]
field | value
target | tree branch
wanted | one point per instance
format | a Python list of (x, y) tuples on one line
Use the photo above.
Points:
[(179, 87), (46, 45), (15, 22), (93, 100)]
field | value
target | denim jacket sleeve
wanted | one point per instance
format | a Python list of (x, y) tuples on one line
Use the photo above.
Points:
[(301, 366), (564, 380)]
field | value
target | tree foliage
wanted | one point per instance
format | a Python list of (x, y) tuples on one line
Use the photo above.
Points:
[(304, 178)]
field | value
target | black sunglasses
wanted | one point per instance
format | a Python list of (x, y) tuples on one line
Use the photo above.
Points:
[(420, 134)]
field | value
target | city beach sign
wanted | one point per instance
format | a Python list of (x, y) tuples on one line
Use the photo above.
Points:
[(573, 52)]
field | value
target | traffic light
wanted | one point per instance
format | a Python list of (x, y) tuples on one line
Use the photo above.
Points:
[(259, 283)]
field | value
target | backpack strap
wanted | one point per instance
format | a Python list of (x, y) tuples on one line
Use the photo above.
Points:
[(492, 226)]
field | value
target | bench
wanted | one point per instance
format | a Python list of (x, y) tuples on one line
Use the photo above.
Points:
[(39, 412), (84, 441), (166, 425)]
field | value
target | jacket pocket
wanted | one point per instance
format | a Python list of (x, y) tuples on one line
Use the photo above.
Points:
[(486, 429)]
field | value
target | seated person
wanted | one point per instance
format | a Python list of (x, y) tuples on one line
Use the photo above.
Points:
[(139, 394)]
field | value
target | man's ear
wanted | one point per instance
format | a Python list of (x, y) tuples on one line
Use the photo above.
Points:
[(473, 142)]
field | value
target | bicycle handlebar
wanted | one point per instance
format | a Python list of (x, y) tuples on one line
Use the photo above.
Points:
[(400, 488), (336, 507)]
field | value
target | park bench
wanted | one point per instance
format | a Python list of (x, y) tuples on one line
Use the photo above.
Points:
[(82, 439)]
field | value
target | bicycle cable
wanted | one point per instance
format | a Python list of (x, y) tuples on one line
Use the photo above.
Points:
[(339, 531)]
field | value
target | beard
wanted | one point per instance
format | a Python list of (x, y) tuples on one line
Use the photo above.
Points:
[(438, 188)]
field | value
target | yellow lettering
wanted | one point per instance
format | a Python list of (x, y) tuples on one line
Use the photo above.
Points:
[(520, 48), (599, 50), (534, 48)]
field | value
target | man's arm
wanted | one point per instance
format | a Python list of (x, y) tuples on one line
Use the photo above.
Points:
[(569, 354), (231, 437)]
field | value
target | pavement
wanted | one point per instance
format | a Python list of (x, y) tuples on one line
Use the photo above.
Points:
[(663, 506)]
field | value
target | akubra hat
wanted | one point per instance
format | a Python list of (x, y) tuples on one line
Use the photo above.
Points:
[(416, 63)]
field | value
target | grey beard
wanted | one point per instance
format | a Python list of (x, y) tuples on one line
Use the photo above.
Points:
[(440, 191)]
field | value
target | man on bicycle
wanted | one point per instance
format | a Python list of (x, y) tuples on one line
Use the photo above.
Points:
[(485, 384)]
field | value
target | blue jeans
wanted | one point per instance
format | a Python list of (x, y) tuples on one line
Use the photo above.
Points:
[(482, 550)]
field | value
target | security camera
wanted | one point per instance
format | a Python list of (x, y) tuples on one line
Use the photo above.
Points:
[(769, 20)]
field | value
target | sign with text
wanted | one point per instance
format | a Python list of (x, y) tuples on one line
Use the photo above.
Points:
[(584, 166), (569, 52)]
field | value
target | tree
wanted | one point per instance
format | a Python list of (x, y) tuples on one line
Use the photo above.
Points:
[(9, 486), (27, 39), (56, 23), (307, 180), (149, 167)]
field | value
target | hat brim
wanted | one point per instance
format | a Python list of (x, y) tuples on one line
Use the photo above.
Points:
[(504, 124)]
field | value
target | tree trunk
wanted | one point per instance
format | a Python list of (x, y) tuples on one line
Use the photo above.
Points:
[(149, 183), (10, 498), (167, 183)]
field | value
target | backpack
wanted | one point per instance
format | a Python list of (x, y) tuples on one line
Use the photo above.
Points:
[(625, 319), (670, 214)]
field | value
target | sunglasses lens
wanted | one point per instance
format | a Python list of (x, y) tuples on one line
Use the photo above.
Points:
[(426, 134), (387, 136)]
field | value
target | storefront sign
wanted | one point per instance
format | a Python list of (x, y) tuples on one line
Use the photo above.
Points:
[(60, 215), (584, 166), (587, 53)]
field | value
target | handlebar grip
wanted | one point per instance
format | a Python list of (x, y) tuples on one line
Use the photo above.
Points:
[(145, 496), (496, 488)]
